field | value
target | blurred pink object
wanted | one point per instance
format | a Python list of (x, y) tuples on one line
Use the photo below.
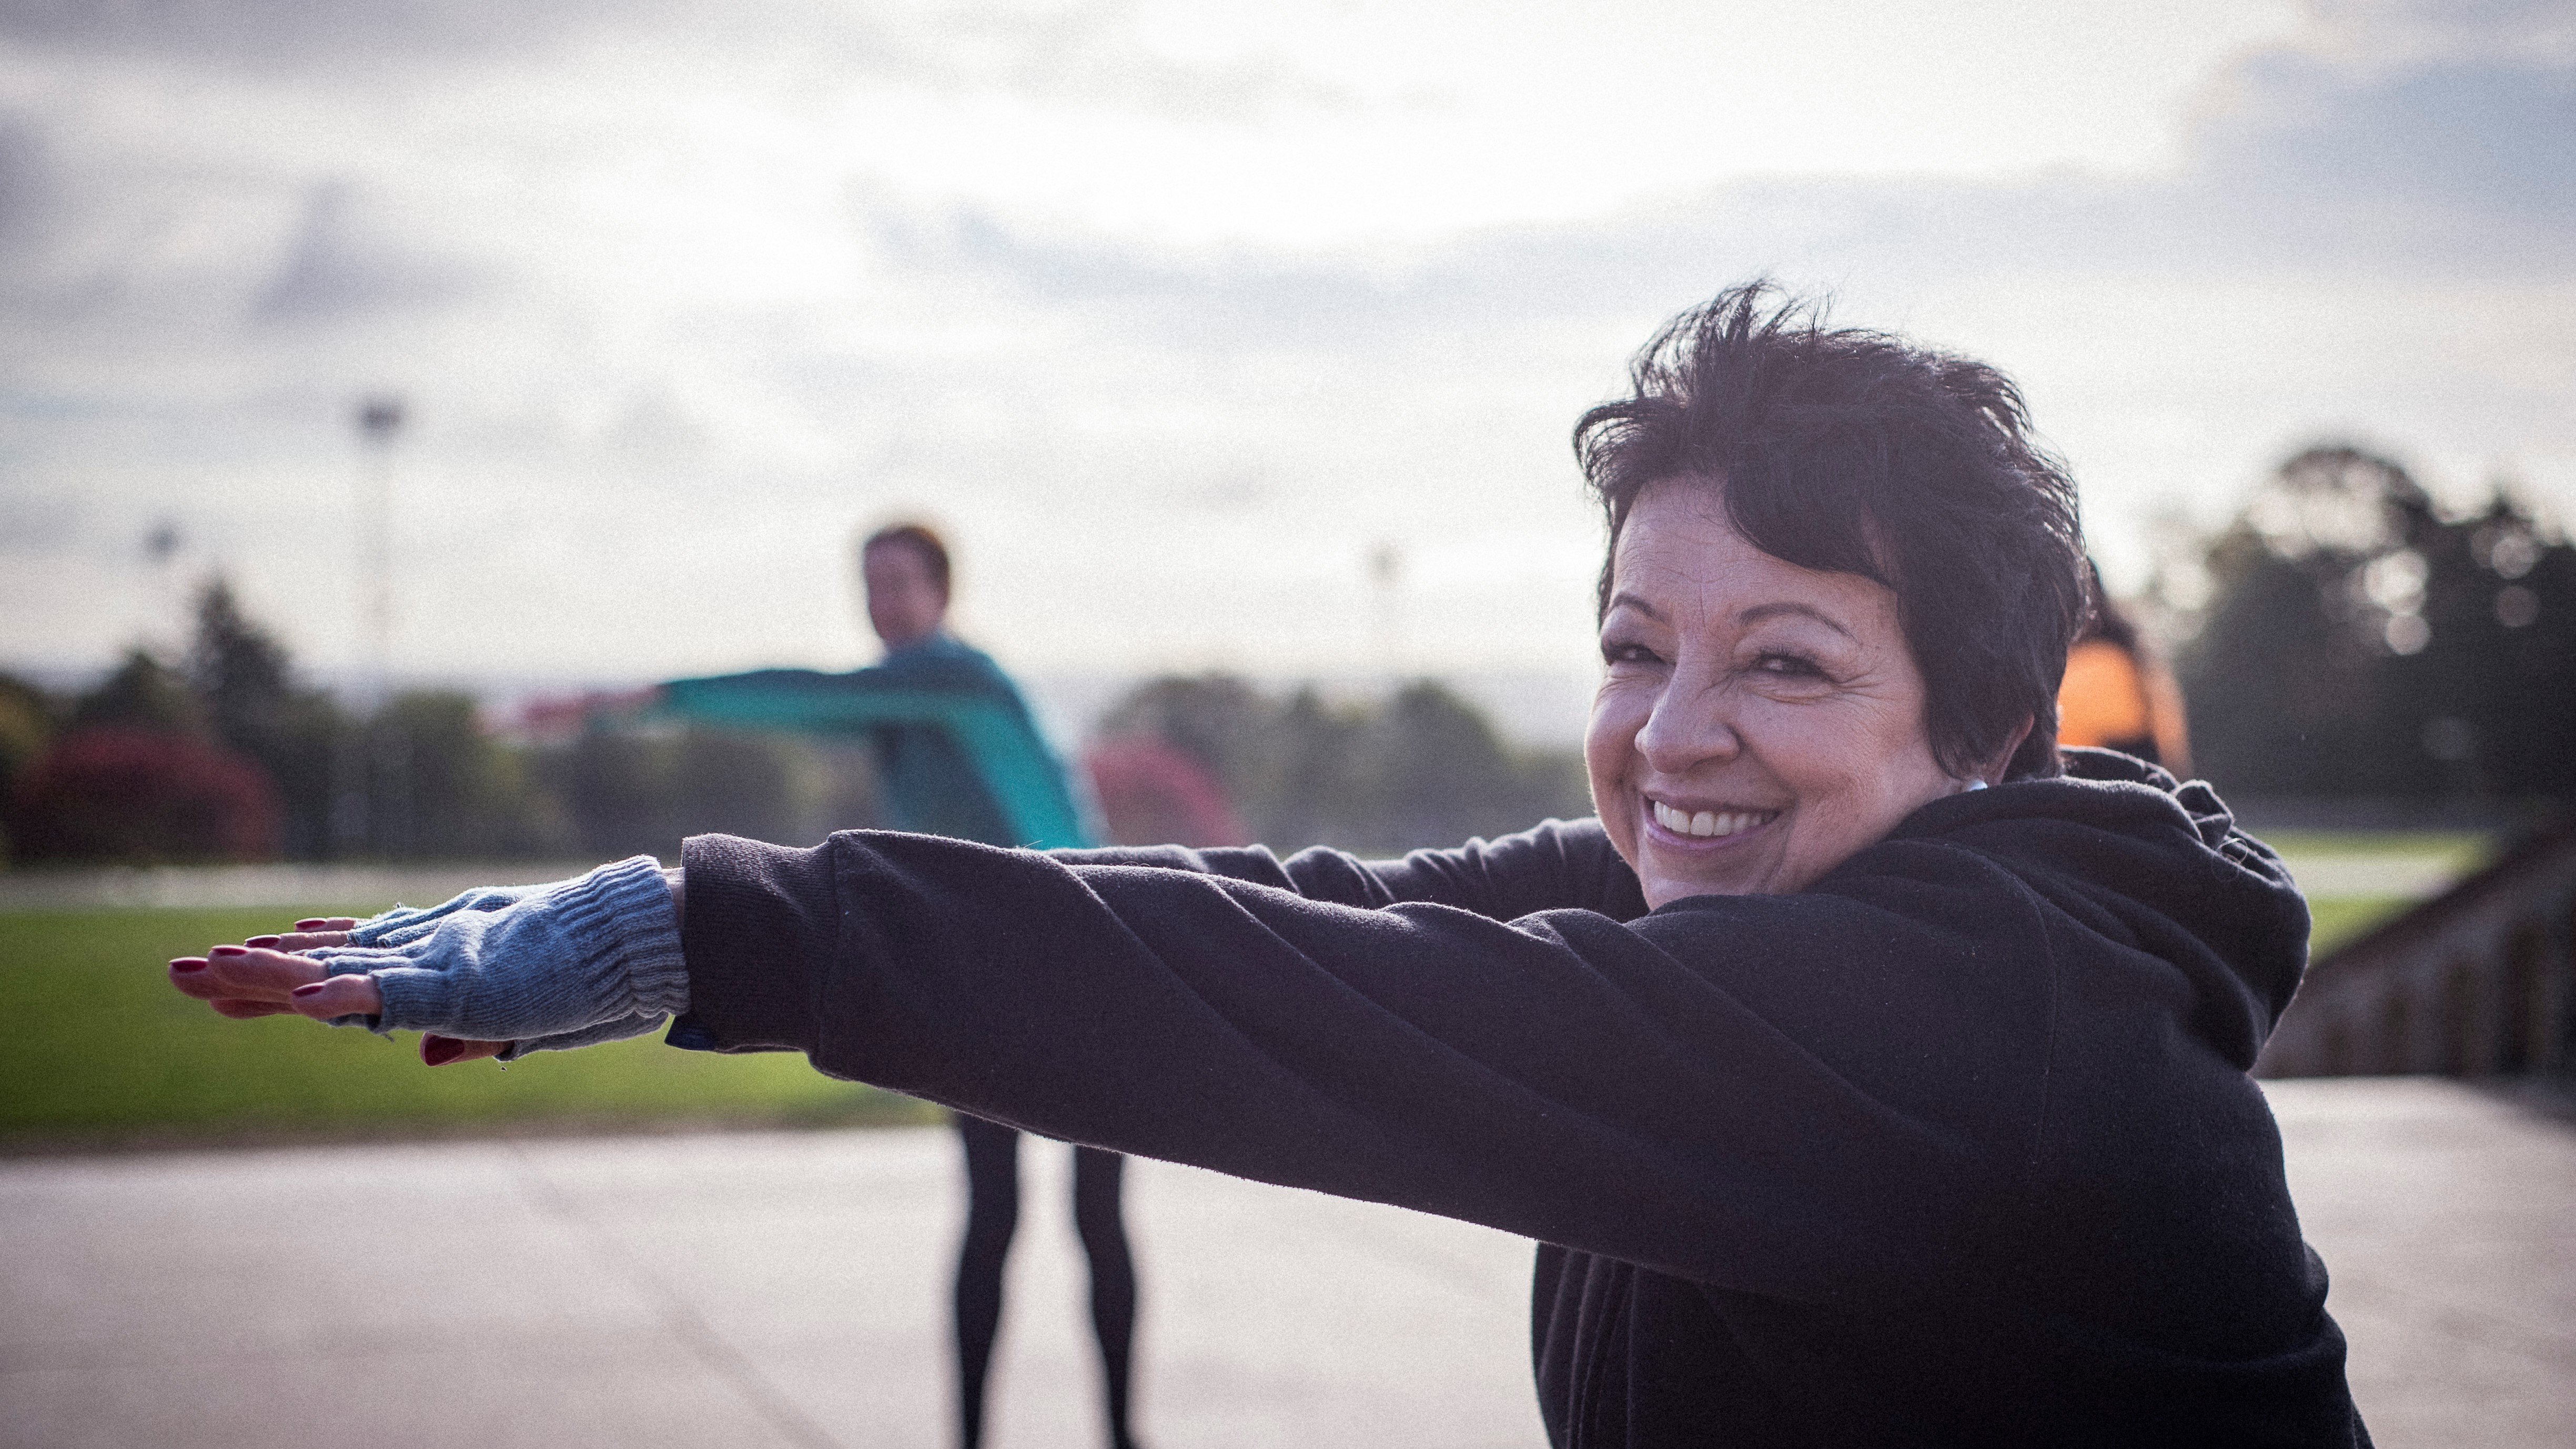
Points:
[(1153, 794), (125, 793)]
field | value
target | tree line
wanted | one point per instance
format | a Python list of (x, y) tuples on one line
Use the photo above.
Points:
[(2362, 640), (2359, 639), (225, 754)]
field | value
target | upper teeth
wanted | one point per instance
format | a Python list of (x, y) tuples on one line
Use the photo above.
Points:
[(1708, 822)]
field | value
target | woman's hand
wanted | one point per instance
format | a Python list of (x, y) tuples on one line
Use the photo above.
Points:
[(267, 976), (500, 969), (261, 976)]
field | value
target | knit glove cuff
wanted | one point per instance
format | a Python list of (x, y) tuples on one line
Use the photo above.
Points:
[(529, 962), (607, 1031)]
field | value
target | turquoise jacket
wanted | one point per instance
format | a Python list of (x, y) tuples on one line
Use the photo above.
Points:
[(958, 753)]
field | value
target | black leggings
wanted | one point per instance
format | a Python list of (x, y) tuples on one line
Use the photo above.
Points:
[(992, 1214)]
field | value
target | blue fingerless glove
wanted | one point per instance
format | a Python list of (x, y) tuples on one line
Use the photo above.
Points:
[(547, 967), (403, 924)]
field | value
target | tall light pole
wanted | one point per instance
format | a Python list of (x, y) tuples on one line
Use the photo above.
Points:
[(1386, 573), (161, 545), (371, 798), (380, 418)]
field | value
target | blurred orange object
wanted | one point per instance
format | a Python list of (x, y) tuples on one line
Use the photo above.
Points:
[(2116, 700)]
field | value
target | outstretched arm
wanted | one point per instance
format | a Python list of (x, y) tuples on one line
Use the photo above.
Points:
[(496, 970), (977, 708), (1655, 1090)]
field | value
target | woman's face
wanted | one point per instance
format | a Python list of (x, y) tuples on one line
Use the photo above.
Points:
[(1757, 722)]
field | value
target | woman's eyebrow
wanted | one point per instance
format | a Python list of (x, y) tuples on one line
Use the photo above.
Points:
[(1760, 612), (1629, 600)]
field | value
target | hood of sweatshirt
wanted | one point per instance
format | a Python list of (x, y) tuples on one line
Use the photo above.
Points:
[(2150, 863)]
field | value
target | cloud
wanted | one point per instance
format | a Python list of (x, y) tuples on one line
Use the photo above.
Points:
[(2389, 144), (289, 35), (338, 268), (2432, 156), (688, 304), (2411, 33), (26, 183), (1091, 52)]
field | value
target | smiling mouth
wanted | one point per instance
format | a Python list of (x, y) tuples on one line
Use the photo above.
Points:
[(1710, 824)]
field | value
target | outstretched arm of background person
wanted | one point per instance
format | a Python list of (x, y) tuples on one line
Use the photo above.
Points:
[(1016, 769), (497, 970)]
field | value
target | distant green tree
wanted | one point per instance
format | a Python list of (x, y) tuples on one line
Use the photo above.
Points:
[(2362, 643), (616, 789), (138, 776), (26, 731), (1423, 768), (143, 693), (1439, 774), (734, 782), (1220, 721), (630, 792), (1303, 788), (455, 791), (252, 702), (237, 667)]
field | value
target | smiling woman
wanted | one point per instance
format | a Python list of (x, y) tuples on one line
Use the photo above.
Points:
[(1757, 722), (1848, 1101), (1839, 587)]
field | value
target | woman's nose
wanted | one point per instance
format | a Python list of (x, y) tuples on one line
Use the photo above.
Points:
[(1687, 728)]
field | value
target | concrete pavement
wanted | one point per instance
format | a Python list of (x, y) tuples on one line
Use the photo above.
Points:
[(788, 1289)]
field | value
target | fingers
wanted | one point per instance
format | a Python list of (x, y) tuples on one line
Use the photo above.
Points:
[(301, 940), (247, 981), (326, 923), (336, 996), (244, 1010), (439, 1051), (243, 973)]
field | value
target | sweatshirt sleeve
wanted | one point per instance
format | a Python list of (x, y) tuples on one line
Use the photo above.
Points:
[(1797, 1095), (1001, 743), (1556, 865)]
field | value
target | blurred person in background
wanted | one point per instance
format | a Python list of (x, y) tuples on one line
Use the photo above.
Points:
[(2118, 695), (958, 755), (1868, 1071)]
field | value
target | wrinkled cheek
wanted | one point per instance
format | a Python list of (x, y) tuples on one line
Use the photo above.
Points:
[(1606, 752)]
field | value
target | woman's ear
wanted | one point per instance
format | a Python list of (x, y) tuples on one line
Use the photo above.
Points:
[(1994, 772)]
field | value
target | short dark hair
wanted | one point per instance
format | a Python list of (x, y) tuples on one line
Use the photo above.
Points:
[(919, 537), (1858, 452)]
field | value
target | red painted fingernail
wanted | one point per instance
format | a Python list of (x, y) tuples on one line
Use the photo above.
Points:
[(262, 941), (309, 988), (187, 963), (310, 923), (438, 1051)]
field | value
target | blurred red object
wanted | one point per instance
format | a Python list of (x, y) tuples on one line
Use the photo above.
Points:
[(129, 794), (562, 718), (1153, 794)]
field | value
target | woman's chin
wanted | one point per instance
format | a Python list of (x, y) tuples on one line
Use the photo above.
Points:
[(1675, 867)]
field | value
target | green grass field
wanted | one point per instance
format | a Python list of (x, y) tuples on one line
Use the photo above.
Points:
[(100, 1051), (2335, 920), (2463, 850)]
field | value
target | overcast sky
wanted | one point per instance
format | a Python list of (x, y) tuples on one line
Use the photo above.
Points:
[(1173, 313)]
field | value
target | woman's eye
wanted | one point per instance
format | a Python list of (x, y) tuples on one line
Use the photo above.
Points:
[(1616, 652), (1790, 666)]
